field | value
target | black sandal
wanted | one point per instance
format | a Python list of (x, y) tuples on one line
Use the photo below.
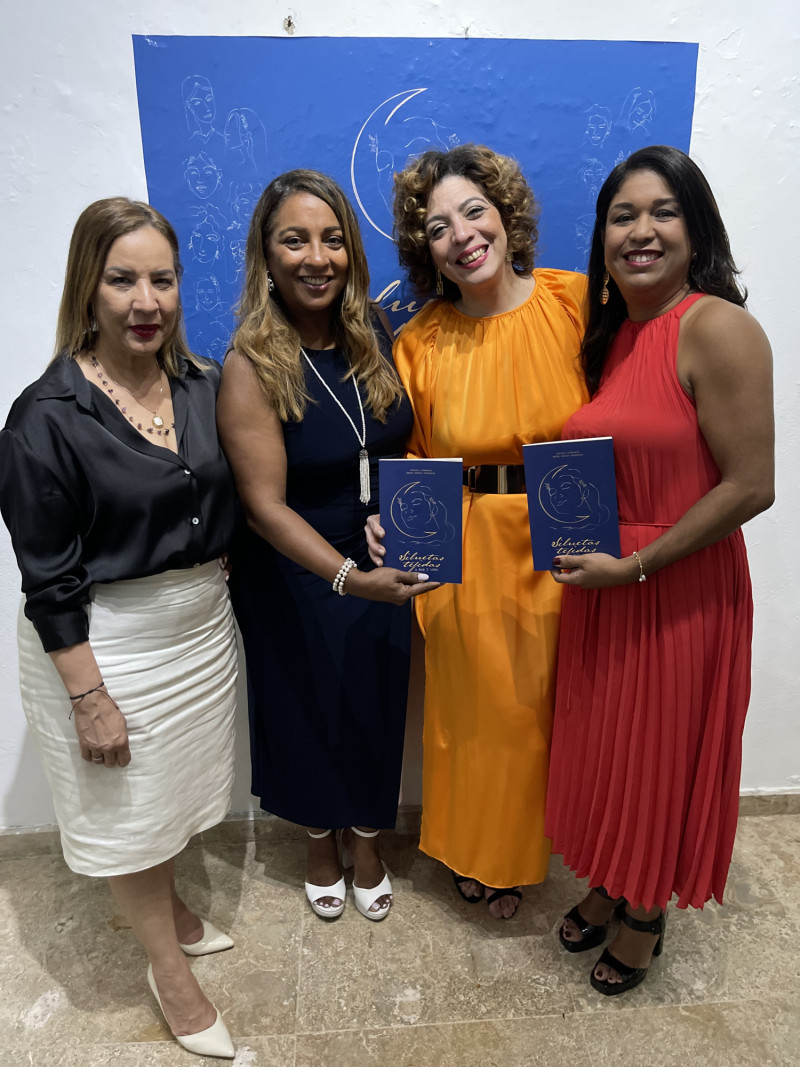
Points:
[(496, 894), (631, 976), (591, 935), (459, 880)]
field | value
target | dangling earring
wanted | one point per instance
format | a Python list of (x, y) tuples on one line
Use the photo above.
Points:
[(439, 283), (604, 290), (92, 320), (270, 283), (690, 277)]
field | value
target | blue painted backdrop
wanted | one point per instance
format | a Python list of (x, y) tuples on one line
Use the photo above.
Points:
[(222, 116)]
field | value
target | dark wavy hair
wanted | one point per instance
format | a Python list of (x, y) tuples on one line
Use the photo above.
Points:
[(712, 269), (501, 180)]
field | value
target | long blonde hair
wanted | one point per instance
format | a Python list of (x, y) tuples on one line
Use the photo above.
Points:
[(265, 335), (97, 228)]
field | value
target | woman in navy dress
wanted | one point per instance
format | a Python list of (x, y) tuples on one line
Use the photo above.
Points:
[(309, 402)]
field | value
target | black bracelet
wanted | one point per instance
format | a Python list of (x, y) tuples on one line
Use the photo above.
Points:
[(80, 696)]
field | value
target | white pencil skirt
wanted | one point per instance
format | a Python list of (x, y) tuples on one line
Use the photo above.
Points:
[(167, 653)]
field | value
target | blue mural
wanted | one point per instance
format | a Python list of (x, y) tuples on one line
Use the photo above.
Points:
[(220, 117)]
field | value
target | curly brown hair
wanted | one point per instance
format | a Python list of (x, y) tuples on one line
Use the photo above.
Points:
[(501, 180)]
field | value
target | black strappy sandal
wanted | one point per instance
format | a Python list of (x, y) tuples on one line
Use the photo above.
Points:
[(591, 935), (496, 894), (631, 976), (459, 880)]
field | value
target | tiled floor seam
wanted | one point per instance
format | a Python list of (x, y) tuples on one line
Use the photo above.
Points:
[(434, 1025)]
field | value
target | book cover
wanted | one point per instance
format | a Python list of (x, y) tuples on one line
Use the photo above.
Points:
[(572, 498), (421, 505)]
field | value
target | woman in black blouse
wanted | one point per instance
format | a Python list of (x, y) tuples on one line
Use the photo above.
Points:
[(119, 502)]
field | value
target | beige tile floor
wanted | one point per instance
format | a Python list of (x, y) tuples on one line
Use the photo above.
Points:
[(438, 984)]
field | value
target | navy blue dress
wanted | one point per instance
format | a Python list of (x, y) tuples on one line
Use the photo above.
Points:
[(327, 675)]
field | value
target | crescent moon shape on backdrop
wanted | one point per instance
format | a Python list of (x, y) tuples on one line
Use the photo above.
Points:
[(403, 98)]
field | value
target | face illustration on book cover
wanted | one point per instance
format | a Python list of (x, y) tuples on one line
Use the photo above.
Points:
[(567, 497), (419, 517)]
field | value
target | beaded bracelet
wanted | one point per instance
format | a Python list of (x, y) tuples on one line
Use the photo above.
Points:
[(642, 576), (338, 582)]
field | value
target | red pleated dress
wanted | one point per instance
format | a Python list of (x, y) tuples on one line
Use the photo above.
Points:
[(653, 678)]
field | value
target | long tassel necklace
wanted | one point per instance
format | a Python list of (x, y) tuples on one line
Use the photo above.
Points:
[(363, 455), (157, 420)]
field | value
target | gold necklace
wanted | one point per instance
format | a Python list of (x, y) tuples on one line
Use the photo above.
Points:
[(157, 420)]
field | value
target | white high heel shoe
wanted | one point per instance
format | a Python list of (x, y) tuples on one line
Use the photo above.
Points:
[(213, 1041), (365, 898), (213, 940), (316, 893)]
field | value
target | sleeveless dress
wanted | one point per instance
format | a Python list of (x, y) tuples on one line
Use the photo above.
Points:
[(480, 389), (327, 674), (653, 678)]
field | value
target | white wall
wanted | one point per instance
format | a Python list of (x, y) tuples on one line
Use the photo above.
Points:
[(69, 134)]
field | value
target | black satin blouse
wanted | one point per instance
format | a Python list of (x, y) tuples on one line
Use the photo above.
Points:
[(87, 498)]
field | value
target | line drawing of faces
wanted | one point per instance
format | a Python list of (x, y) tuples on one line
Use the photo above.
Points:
[(245, 144), (241, 201), (202, 175), (242, 198), (419, 517), (570, 499), (205, 244), (391, 137), (211, 339), (206, 296), (639, 109), (199, 104), (592, 174), (584, 227), (598, 125)]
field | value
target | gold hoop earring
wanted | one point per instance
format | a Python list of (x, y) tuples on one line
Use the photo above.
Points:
[(604, 291), (439, 283)]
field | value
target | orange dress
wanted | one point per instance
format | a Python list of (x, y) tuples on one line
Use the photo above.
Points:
[(480, 389)]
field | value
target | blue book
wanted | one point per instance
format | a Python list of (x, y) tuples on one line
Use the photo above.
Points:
[(421, 502), (572, 499)]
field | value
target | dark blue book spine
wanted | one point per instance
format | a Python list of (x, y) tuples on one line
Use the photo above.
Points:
[(420, 507), (572, 499)]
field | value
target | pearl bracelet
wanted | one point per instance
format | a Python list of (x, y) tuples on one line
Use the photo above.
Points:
[(338, 582), (642, 576)]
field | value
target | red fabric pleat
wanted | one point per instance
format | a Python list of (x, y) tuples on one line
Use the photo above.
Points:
[(653, 678)]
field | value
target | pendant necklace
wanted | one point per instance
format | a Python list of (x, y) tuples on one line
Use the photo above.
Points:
[(363, 456), (157, 420)]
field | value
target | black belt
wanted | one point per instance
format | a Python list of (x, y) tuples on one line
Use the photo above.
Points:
[(495, 478)]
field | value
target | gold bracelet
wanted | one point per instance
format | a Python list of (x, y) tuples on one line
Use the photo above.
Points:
[(642, 576)]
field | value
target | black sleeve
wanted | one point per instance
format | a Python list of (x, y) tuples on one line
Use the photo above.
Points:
[(44, 528)]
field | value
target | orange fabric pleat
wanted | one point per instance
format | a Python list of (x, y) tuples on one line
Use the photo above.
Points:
[(653, 678), (480, 389)]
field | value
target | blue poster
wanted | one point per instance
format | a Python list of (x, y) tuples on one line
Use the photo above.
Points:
[(222, 116)]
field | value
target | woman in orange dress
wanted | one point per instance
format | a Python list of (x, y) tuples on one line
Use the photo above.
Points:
[(488, 367), (654, 660)]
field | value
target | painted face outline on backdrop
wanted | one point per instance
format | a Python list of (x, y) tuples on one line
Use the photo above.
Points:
[(136, 303), (466, 235), (647, 248), (306, 255), (206, 291), (205, 240), (202, 175)]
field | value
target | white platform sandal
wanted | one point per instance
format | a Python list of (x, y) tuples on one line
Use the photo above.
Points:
[(317, 893), (365, 898)]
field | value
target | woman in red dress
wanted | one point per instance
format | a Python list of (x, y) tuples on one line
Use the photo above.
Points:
[(654, 657)]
